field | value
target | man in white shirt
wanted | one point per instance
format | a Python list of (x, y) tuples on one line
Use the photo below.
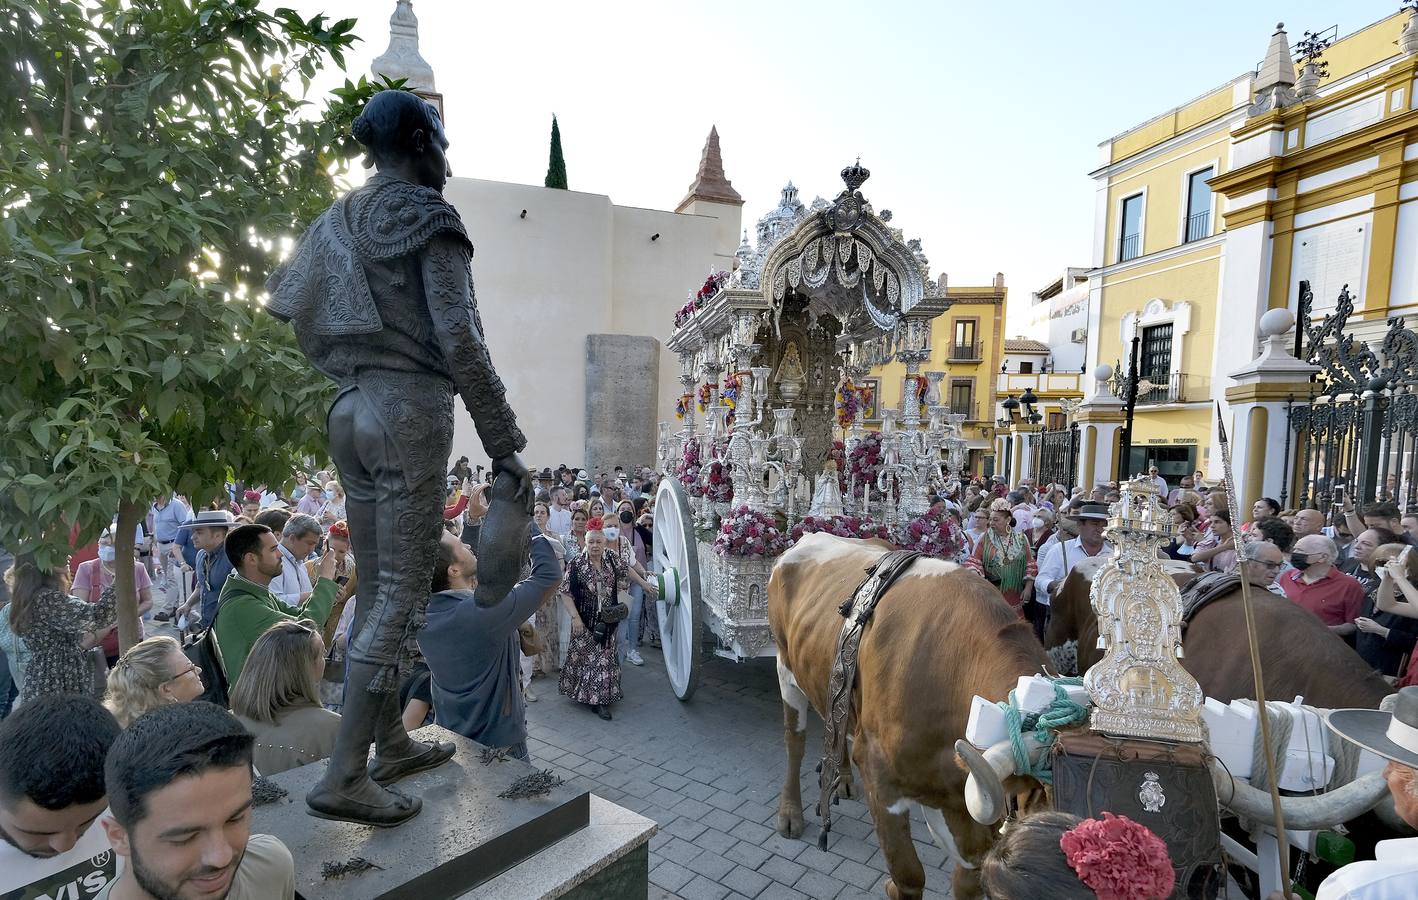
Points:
[(559, 515), (180, 783), (1158, 481), (51, 798), (1092, 519), (299, 539), (1393, 872)]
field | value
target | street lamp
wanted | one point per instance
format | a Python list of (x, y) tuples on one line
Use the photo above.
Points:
[(1011, 412), (1031, 415)]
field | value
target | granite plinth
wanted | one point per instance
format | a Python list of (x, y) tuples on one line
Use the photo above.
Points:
[(465, 836), (609, 859)]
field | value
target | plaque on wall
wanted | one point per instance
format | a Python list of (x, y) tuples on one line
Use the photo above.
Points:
[(1329, 257)]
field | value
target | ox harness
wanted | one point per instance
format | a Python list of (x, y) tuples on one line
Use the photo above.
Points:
[(1202, 590), (857, 610)]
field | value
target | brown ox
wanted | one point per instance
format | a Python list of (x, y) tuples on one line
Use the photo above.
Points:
[(940, 635), (1299, 655)]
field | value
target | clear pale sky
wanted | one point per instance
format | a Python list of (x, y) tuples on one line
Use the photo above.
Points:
[(979, 121)]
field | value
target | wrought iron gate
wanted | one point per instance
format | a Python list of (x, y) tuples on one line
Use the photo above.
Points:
[(1358, 428), (1058, 456)]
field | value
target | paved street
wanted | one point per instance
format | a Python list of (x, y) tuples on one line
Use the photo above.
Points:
[(708, 772)]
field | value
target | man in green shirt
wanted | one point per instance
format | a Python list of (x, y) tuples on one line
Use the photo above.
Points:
[(247, 607)]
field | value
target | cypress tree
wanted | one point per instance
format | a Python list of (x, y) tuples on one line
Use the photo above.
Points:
[(556, 167)]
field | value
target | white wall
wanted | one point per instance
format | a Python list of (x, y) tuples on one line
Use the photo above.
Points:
[(1404, 288), (543, 283), (576, 265), (1068, 313), (651, 278)]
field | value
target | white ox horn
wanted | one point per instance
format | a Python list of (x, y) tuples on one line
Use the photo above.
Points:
[(985, 796), (1301, 813)]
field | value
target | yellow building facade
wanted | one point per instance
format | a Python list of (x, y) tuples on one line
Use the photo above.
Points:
[(1213, 212), (966, 344)]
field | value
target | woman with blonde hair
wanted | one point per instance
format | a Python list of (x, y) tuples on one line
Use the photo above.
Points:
[(277, 698), (154, 672), (334, 509)]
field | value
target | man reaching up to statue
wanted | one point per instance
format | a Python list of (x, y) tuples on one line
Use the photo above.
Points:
[(380, 294)]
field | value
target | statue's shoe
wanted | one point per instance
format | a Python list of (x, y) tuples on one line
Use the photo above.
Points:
[(385, 810), (386, 772)]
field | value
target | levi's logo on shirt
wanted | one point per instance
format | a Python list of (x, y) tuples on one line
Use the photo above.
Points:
[(82, 880)]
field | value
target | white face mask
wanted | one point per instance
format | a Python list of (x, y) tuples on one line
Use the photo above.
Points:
[(612, 533), (107, 553), (1038, 522)]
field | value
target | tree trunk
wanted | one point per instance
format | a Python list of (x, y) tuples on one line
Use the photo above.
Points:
[(130, 515)]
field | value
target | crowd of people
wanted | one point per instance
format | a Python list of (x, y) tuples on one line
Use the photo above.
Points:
[(1349, 567), (249, 602), (265, 580)]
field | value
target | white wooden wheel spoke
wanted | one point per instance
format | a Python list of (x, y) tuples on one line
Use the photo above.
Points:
[(677, 558)]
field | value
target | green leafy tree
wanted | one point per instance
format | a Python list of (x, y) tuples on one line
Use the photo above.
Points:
[(156, 162), (556, 167)]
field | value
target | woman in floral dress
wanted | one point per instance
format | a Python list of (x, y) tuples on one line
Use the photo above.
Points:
[(591, 672), (1003, 556), (58, 631)]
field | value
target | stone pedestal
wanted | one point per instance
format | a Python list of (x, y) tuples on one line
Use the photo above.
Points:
[(1258, 401), (465, 839), (606, 860)]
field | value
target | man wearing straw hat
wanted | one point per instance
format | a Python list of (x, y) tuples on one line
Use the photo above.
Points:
[(209, 531), (1092, 519), (1393, 873)]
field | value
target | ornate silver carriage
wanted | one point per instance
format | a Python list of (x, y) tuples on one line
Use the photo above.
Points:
[(772, 355)]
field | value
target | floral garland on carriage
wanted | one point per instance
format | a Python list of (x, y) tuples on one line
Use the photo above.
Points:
[(919, 393), (841, 526), (712, 285), (850, 399), (720, 485), (932, 534), (748, 533)]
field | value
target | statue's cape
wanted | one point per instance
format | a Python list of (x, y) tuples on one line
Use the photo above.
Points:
[(322, 289)]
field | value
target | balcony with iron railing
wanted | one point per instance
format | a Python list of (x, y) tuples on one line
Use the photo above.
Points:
[(967, 352), (1130, 247), (1198, 226), (1177, 387)]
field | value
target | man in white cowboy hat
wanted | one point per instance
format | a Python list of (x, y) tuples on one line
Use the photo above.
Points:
[(209, 531), (1393, 873), (1092, 519)]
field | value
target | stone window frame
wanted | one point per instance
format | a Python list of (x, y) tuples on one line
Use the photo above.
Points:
[(1157, 312)]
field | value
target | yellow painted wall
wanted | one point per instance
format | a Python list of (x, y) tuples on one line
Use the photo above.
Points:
[(1191, 277), (1203, 109), (1353, 53), (1165, 183), (1364, 47), (1172, 427), (986, 306)]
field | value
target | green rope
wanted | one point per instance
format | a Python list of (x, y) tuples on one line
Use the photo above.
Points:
[(1061, 713)]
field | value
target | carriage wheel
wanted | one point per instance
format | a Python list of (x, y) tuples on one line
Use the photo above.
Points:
[(681, 617)]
